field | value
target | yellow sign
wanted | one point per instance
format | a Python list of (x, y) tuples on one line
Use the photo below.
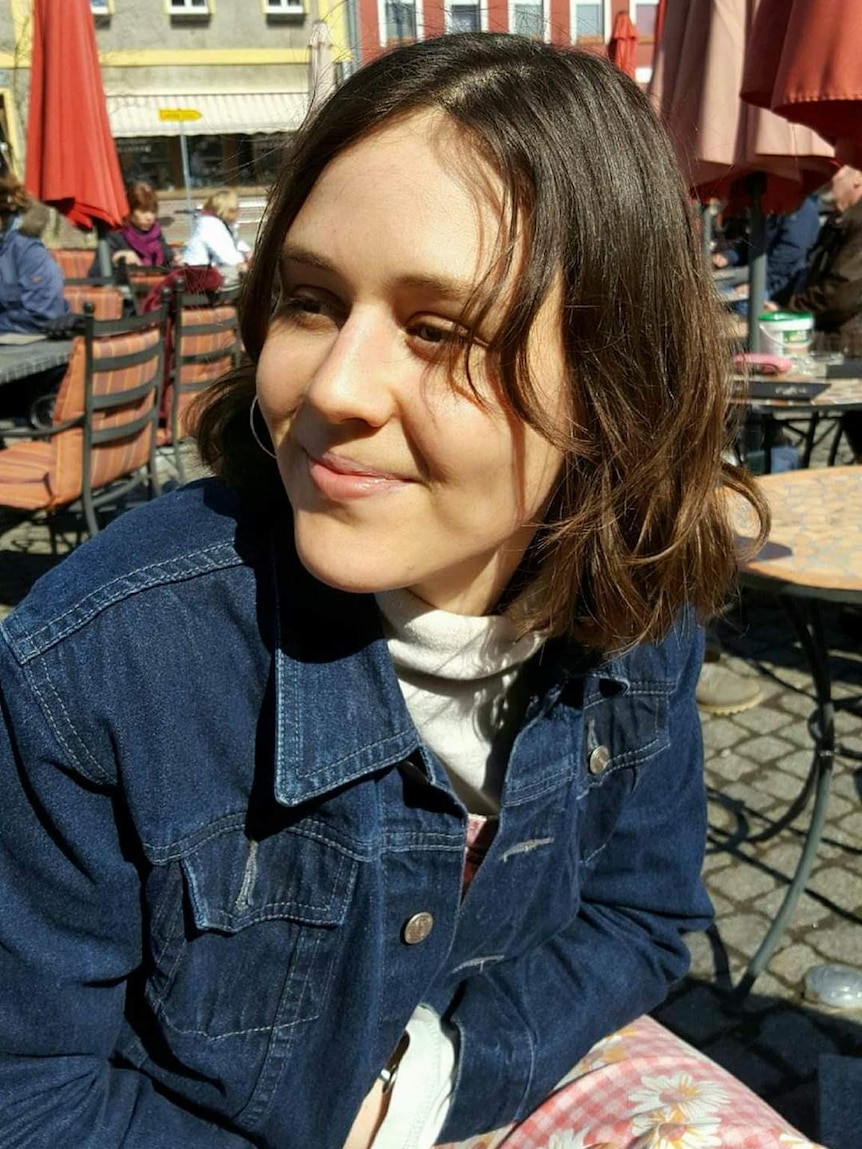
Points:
[(179, 114)]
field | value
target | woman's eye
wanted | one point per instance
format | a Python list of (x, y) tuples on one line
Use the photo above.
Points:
[(307, 309), (436, 334), (301, 305)]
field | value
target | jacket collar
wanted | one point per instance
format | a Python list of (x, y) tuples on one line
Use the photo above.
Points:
[(339, 710)]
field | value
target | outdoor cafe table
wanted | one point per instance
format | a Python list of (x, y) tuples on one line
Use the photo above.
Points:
[(841, 395), (813, 554), (17, 361)]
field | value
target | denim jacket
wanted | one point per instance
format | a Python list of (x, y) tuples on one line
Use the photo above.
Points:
[(219, 826)]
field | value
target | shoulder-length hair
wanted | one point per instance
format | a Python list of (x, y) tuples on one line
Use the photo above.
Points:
[(142, 197), (638, 525)]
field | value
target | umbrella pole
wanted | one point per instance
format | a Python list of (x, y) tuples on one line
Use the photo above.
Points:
[(187, 177), (706, 218), (757, 260), (106, 268)]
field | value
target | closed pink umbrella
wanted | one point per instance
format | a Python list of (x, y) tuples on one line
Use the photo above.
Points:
[(803, 62), (720, 139), (728, 149)]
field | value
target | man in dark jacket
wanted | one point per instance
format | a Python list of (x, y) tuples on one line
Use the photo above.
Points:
[(31, 283), (833, 285)]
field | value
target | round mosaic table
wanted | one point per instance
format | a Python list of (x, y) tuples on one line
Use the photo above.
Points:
[(814, 553)]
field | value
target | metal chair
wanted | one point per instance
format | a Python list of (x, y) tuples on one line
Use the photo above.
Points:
[(102, 441), (205, 345), (107, 301)]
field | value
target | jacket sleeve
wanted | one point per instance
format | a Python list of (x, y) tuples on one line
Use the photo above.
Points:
[(40, 291), (790, 239), (833, 293), (70, 937), (524, 1024)]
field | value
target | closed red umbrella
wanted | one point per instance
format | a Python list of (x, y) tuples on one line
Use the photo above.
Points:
[(803, 62), (623, 45), (71, 157)]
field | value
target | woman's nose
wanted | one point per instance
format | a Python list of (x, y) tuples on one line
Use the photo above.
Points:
[(358, 375)]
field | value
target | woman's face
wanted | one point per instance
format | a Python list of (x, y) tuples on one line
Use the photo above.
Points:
[(397, 475), (141, 219)]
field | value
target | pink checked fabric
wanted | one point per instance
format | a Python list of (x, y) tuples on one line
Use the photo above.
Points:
[(639, 1088)]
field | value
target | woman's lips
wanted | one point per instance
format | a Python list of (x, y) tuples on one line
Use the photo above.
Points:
[(339, 478)]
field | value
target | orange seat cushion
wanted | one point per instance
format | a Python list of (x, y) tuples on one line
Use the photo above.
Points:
[(24, 476)]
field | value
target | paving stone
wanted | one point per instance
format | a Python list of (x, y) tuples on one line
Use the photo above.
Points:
[(779, 784), (799, 703), (792, 963), (720, 732), (809, 911), (743, 931), (697, 1015), (768, 749), (797, 1039), (759, 1074), (839, 885), (762, 720), (837, 944)]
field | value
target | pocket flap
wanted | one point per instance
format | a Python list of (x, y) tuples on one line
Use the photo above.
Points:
[(234, 881)]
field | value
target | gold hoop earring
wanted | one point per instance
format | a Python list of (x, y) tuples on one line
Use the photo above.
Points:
[(266, 450)]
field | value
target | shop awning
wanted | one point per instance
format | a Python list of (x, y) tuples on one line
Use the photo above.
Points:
[(221, 113)]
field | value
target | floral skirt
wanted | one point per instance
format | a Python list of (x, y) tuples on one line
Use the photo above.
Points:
[(643, 1088)]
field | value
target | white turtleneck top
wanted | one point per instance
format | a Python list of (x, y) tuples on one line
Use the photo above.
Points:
[(459, 678)]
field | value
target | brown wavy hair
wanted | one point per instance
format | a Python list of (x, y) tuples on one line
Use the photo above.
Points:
[(638, 525)]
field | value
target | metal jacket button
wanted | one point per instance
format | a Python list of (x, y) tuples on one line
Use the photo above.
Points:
[(417, 928), (598, 760)]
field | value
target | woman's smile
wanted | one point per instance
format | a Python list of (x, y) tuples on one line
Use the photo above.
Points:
[(341, 479)]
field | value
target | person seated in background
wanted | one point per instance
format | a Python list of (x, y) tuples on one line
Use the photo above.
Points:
[(31, 283), (31, 291), (832, 291), (214, 240), (789, 239), (140, 242)]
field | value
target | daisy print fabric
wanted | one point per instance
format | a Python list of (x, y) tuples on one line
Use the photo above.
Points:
[(643, 1088)]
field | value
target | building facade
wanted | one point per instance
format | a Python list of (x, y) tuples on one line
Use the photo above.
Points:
[(235, 77)]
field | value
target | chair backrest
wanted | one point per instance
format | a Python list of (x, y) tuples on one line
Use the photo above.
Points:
[(74, 262), (205, 347), (108, 403), (107, 301)]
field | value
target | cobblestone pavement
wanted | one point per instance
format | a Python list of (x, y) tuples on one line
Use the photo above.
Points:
[(755, 765)]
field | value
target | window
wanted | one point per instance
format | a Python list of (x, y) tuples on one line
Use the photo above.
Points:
[(463, 18), (588, 19), (189, 7), (527, 18), (284, 7), (400, 21), (643, 14)]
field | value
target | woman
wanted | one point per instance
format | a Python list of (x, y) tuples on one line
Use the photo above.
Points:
[(140, 242), (213, 239), (362, 786)]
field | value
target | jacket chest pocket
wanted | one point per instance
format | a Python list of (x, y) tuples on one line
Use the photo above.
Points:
[(621, 734), (245, 933)]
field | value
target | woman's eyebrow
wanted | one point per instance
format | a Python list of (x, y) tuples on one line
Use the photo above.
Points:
[(291, 253), (441, 286)]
